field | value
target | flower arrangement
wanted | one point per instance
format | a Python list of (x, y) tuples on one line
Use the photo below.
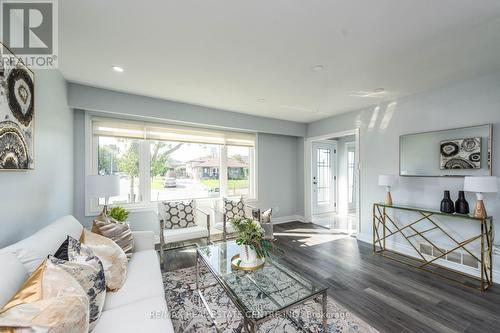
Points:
[(118, 213), (250, 233)]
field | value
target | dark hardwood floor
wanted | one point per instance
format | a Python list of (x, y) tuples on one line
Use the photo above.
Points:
[(390, 296)]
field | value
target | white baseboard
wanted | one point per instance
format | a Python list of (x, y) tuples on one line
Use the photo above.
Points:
[(286, 219), (407, 249), (365, 238)]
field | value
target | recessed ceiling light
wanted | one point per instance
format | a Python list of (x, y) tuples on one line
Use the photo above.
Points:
[(118, 69), (261, 100), (317, 68)]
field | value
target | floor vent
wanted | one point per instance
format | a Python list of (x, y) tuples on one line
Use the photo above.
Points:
[(455, 257)]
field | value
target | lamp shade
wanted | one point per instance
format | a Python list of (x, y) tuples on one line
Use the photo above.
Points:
[(387, 180), (481, 184), (103, 186)]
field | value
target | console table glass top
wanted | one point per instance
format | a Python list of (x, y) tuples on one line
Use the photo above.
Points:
[(260, 293), (432, 211)]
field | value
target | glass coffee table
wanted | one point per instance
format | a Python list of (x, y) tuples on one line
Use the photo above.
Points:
[(261, 294)]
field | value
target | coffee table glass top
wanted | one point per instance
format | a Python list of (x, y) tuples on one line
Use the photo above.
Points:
[(262, 292)]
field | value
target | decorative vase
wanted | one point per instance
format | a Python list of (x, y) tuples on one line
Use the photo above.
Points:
[(248, 255), (447, 205), (461, 205)]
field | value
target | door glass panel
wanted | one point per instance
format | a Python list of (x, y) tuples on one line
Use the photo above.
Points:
[(350, 175), (323, 166)]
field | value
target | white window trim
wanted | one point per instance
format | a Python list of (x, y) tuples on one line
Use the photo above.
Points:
[(92, 207)]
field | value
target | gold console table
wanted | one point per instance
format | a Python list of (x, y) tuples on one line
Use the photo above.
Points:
[(385, 226)]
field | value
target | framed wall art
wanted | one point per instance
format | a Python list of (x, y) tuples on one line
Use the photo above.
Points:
[(460, 154), (17, 112)]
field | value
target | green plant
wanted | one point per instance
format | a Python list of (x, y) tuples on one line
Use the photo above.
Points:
[(249, 232), (118, 213)]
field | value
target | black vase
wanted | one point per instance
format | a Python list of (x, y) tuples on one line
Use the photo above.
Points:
[(447, 205), (461, 205)]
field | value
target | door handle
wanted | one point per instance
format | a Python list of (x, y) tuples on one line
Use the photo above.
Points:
[(314, 183)]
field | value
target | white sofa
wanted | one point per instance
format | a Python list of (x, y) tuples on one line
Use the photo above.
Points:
[(139, 306)]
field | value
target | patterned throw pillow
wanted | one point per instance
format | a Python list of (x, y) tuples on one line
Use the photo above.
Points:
[(256, 214), (177, 215), (79, 261), (118, 232), (51, 300), (234, 209), (112, 257), (265, 216)]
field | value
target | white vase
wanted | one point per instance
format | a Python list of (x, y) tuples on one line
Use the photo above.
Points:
[(248, 256)]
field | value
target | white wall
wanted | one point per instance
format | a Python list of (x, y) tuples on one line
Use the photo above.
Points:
[(30, 200), (281, 174), (129, 105), (280, 177), (465, 103)]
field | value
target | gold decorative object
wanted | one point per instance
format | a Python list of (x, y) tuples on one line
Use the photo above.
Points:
[(385, 226), (480, 185), (388, 181), (480, 211), (235, 265), (388, 199)]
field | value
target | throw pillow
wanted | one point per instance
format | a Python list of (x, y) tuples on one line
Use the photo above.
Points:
[(256, 214), (265, 216), (234, 209), (79, 261), (51, 300), (177, 215), (118, 232), (112, 257)]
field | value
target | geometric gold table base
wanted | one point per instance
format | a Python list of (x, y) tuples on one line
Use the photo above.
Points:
[(384, 227)]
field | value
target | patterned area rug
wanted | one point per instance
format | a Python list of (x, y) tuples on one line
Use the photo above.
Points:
[(189, 315)]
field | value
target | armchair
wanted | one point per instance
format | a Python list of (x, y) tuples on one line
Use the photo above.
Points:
[(229, 209), (181, 222)]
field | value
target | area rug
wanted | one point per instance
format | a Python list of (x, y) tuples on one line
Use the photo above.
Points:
[(189, 315)]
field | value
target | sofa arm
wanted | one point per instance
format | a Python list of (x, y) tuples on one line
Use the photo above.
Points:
[(143, 240)]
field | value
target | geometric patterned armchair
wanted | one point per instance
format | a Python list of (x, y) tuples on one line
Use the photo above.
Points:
[(227, 209), (181, 222)]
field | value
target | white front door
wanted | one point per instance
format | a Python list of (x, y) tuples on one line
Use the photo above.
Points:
[(323, 177)]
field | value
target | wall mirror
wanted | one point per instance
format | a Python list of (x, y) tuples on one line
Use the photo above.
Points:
[(455, 152)]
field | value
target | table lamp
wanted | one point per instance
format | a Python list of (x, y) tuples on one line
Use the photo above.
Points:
[(480, 185), (103, 187), (387, 181)]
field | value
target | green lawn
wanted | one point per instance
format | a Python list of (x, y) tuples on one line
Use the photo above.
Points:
[(158, 182), (233, 184)]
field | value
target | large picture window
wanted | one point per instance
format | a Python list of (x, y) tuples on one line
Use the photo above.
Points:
[(165, 162)]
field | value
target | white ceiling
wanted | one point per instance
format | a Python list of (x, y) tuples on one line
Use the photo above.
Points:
[(228, 54)]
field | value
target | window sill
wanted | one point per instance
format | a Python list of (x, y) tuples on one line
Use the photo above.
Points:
[(152, 206)]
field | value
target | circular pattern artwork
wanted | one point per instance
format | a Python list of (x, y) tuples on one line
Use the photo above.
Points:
[(17, 112), (449, 149), (461, 154), (177, 214), (20, 93), (458, 163), (470, 145), (13, 148)]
